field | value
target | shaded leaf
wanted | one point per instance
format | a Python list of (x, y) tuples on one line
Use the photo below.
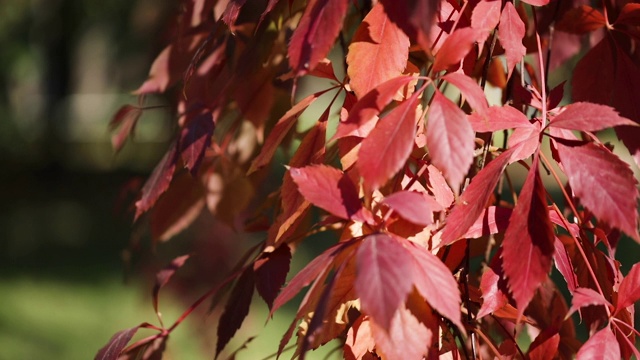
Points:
[(195, 138), (359, 339), (404, 338), (389, 144), (411, 206), (327, 188), (126, 119), (382, 264), (117, 343), (581, 20), (314, 36), (455, 47), (377, 44), (280, 130), (511, 32), (158, 182), (601, 345), (236, 309), (629, 290), (604, 184), (450, 139), (564, 265), (469, 88), (583, 297), (271, 271), (585, 116), (474, 199), (232, 11), (528, 241), (163, 276), (324, 70)]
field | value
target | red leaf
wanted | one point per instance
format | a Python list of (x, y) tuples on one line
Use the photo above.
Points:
[(450, 139), (195, 138), (382, 279), (511, 32), (474, 199), (604, 184), (494, 293), (324, 70), (411, 206), (601, 345), (369, 107), (525, 140), (317, 31), (439, 187), (564, 265), (270, 5), (163, 276), (630, 14), (116, 344), (404, 338), (485, 18), (581, 20), (377, 44), (493, 220), (232, 11), (280, 130), (271, 271), (236, 309), (629, 290), (158, 182), (585, 116), (455, 47), (528, 241), (472, 92), (389, 144), (544, 347), (583, 297), (599, 60), (327, 188), (623, 99), (430, 273), (126, 118), (414, 17), (498, 118), (537, 2)]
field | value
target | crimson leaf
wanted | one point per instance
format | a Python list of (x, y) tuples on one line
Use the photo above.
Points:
[(271, 272)]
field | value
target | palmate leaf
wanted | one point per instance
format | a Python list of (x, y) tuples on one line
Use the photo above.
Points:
[(449, 139), (604, 184), (377, 44), (389, 144), (511, 32), (317, 31), (528, 242)]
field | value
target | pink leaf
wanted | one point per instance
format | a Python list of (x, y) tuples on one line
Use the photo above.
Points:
[(430, 273), (585, 116), (494, 296), (528, 242), (498, 118), (474, 199), (601, 345), (537, 2), (389, 144), (511, 32), (472, 92), (382, 278), (327, 188), (583, 297), (493, 220), (564, 265), (158, 182), (195, 138), (405, 338), (317, 31), (280, 130), (485, 18), (629, 291), (116, 344), (455, 48), (604, 184), (544, 346), (369, 107), (377, 44), (449, 139), (414, 17), (525, 140), (271, 271), (411, 206)]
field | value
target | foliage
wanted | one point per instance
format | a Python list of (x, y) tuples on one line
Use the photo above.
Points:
[(412, 173)]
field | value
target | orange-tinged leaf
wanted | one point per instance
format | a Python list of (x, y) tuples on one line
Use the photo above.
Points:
[(383, 278), (601, 345), (280, 130), (604, 184), (629, 290), (586, 116), (474, 199), (528, 242), (493, 220), (327, 188), (389, 144), (581, 20), (511, 32), (359, 339), (406, 338), (378, 52), (450, 139), (456, 46), (317, 31)]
